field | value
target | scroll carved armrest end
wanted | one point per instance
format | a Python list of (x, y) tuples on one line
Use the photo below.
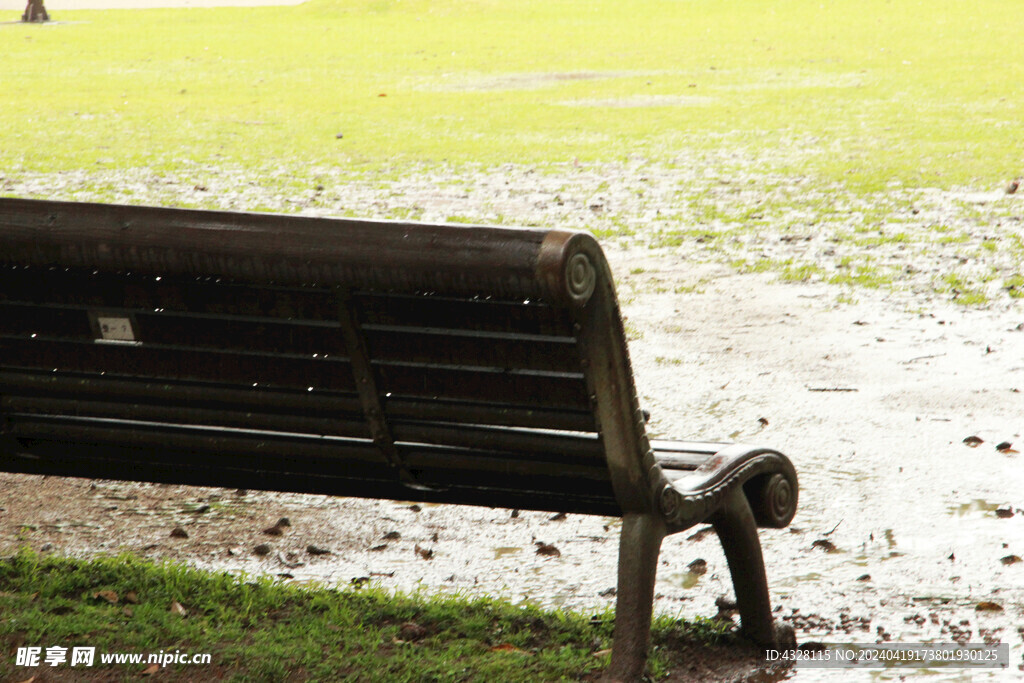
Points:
[(767, 477)]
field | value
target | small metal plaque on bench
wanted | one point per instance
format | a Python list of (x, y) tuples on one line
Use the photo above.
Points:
[(115, 329)]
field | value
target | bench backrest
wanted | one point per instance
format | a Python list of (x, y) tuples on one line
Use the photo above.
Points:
[(448, 363)]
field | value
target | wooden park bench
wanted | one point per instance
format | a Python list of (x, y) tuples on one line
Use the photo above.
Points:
[(435, 363)]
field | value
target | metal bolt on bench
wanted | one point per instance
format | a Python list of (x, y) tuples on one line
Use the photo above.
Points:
[(435, 363)]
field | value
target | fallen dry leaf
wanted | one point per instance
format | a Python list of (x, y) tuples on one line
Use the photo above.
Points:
[(1010, 559), (109, 596), (508, 647), (151, 669), (548, 550), (132, 597), (177, 608), (988, 606), (603, 653)]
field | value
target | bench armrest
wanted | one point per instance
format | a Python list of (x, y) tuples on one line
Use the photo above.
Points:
[(767, 477)]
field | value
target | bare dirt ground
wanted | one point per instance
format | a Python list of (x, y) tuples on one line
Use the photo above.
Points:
[(905, 533)]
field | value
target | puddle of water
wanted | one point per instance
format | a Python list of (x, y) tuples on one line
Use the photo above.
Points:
[(686, 580)]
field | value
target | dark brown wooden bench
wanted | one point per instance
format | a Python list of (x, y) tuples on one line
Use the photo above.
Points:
[(436, 363)]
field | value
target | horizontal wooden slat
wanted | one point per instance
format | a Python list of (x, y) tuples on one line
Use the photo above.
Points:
[(289, 453), (143, 292), (266, 248), (547, 390), (312, 339), (463, 314), (487, 350), (155, 362), (25, 320), (353, 426), (467, 412), (167, 467), (178, 393), (549, 444), (683, 455)]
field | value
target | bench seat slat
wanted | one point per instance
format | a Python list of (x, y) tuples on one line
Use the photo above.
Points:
[(351, 425), (683, 455), (125, 464), (65, 437)]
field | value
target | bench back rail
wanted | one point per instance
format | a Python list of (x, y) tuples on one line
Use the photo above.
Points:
[(207, 348)]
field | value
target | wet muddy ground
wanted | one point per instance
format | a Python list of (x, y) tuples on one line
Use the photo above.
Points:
[(901, 409), (905, 532)]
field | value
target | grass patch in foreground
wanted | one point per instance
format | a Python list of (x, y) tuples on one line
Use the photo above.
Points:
[(260, 630)]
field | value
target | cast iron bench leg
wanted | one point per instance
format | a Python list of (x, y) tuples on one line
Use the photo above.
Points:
[(737, 530), (639, 547)]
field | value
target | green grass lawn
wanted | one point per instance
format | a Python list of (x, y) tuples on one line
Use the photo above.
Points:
[(869, 93), (259, 630)]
